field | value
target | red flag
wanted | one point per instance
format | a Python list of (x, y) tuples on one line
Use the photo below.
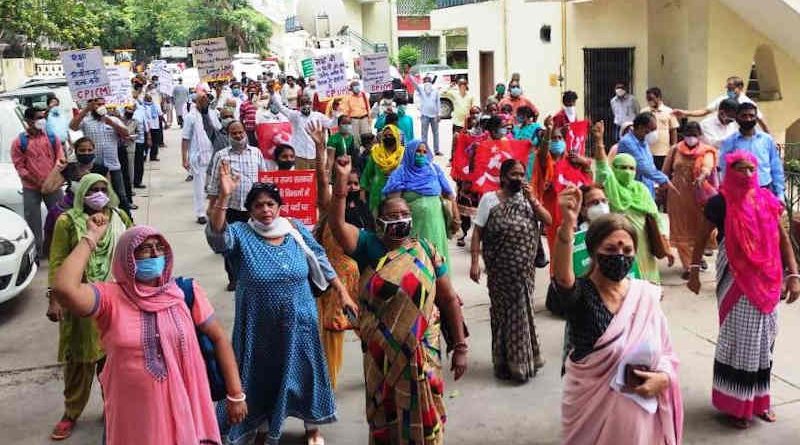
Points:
[(576, 137), (269, 134), (489, 155), (466, 144)]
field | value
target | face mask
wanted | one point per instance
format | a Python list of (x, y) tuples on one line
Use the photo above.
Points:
[(501, 133), (731, 94), (420, 160), (236, 92), (691, 141), (398, 229), (389, 140), (521, 120), (516, 91), (569, 110), (500, 90), (285, 165), (85, 158), (306, 110), (40, 124), (428, 87), (597, 210), (619, 92), (96, 201), (148, 102), (514, 185), (558, 147), (236, 144), (615, 267), (274, 109), (225, 122), (150, 268), (346, 128), (651, 138), (354, 195), (312, 85), (102, 111), (624, 177), (129, 114), (746, 125), (55, 111), (356, 89)]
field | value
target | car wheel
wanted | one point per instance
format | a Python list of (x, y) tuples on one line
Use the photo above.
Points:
[(445, 109)]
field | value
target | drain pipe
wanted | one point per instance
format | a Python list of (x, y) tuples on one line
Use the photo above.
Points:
[(506, 69), (563, 75)]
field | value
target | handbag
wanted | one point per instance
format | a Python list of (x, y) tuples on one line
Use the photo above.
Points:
[(216, 381), (659, 247)]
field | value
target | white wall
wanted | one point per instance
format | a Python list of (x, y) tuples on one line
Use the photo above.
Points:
[(353, 16)]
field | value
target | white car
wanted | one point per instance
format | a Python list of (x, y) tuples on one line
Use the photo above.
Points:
[(17, 255), (10, 185)]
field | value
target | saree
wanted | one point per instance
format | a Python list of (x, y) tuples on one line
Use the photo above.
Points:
[(510, 240), (595, 413), (399, 330)]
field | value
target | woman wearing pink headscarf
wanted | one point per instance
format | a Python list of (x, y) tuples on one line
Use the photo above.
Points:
[(154, 381), (754, 250)]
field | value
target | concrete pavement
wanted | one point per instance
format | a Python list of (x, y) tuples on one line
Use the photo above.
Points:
[(481, 410)]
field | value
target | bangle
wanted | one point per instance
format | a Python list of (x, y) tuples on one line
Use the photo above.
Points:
[(241, 398), (92, 244), (218, 207), (694, 266), (792, 275), (461, 346)]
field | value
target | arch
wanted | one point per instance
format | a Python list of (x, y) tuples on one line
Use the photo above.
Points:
[(793, 133), (764, 84)]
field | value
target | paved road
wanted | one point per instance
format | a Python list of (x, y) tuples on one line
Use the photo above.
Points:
[(481, 410)]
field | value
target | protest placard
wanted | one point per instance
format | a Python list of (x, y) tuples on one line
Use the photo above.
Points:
[(298, 189), (308, 67), (211, 59), (86, 73), (120, 80), (159, 68), (375, 72), (575, 137), (331, 73)]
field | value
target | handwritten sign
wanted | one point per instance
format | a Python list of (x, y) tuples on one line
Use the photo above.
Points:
[(159, 68), (86, 73), (375, 70), (298, 191), (119, 79), (331, 73), (212, 60)]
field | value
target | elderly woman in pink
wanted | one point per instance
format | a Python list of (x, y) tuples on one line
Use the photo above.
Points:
[(154, 382)]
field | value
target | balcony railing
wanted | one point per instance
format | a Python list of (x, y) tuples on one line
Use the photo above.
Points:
[(440, 4)]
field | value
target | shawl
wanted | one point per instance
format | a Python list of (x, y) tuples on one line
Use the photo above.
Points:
[(99, 266), (385, 160), (698, 153), (633, 196), (428, 180), (752, 239), (201, 148), (592, 412)]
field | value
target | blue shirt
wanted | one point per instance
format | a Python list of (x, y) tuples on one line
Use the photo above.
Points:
[(428, 101), (762, 146), (646, 170)]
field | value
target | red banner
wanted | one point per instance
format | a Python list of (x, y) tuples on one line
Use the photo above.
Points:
[(576, 137), (489, 155), (298, 190)]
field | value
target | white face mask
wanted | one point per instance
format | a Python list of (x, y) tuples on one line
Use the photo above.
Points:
[(620, 92), (651, 138), (428, 87), (691, 141), (571, 112), (597, 210), (102, 111), (40, 124)]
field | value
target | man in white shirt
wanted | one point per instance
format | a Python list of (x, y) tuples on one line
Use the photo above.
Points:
[(428, 100), (197, 149), (624, 106), (734, 89), (290, 93), (667, 126), (721, 125), (304, 147)]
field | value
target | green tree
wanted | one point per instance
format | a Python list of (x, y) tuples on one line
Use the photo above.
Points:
[(244, 28), (67, 22), (408, 55)]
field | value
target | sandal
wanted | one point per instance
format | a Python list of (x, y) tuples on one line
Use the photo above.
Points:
[(63, 429), (741, 424), (768, 416)]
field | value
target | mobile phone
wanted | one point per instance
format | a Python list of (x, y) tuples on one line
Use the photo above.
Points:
[(631, 379)]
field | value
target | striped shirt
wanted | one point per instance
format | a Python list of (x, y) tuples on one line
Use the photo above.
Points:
[(105, 140), (246, 164), (247, 113)]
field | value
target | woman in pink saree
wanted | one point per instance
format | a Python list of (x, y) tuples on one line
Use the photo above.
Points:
[(154, 381), (621, 383)]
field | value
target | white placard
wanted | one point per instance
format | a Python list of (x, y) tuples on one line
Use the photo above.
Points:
[(159, 68), (375, 72), (119, 79), (331, 74), (86, 73), (174, 52), (211, 59)]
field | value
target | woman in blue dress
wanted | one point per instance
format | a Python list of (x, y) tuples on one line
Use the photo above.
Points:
[(275, 333)]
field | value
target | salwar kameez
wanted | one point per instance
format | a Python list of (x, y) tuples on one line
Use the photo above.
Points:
[(429, 221)]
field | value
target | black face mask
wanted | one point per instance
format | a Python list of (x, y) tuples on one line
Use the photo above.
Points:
[(396, 230), (746, 125), (85, 159), (306, 111), (389, 141), (615, 267), (285, 165), (354, 196), (514, 185), (128, 115)]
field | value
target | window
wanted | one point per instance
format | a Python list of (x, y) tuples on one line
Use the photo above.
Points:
[(764, 84)]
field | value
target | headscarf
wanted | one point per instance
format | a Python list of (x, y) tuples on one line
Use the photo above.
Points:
[(752, 240), (146, 298), (428, 180), (383, 159), (624, 192), (698, 153), (99, 267)]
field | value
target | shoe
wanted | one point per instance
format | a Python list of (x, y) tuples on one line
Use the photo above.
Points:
[(708, 252), (63, 429), (139, 186), (134, 206), (538, 362), (189, 178), (439, 153), (155, 160), (231, 286), (685, 275), (132, 193), (201, 220), (703, 265)]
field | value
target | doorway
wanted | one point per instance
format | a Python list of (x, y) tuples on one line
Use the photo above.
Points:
[(486, 73), (603, 68)]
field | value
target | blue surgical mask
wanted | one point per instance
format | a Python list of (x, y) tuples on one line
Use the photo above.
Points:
[(515, 91), (236, 92), (558, 147), (150, 268), (731, 94)]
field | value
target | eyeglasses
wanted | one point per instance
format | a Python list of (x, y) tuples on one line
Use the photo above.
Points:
[(152, 249), (266, 186)]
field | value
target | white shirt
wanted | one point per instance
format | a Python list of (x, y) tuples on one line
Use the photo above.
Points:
[(486, 204), (742, 98), (301, 141), (714, 131)]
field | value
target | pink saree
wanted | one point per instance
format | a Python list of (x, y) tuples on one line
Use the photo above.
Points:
[(594, 413)]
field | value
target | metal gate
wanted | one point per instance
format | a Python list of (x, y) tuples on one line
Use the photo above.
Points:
[(603, 68)]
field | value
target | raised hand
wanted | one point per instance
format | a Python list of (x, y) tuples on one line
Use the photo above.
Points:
[(343, 166), (569, 200), (548, 123), (228, 181), (598, 130), (317, 133), (97, 226)]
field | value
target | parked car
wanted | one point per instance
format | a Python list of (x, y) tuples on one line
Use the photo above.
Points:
[(45, 82), (398, 89), (17, 254), (37, 95)]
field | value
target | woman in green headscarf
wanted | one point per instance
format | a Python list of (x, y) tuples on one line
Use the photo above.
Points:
[(79, 343), (631, 198)]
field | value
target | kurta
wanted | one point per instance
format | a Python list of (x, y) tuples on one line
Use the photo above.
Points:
[(276, 332), (429, 222), (373, 180)]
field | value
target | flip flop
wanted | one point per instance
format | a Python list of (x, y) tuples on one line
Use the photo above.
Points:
[(63, 429), (768, 416)]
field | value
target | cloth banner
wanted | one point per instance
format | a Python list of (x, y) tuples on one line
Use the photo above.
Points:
[(577, 132), (270, 134), (489, 155), (298, 189)]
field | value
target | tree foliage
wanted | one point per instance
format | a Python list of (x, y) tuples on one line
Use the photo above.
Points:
[(408, 55)]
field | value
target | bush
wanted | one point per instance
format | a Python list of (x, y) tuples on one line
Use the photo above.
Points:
[(408, 55)]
